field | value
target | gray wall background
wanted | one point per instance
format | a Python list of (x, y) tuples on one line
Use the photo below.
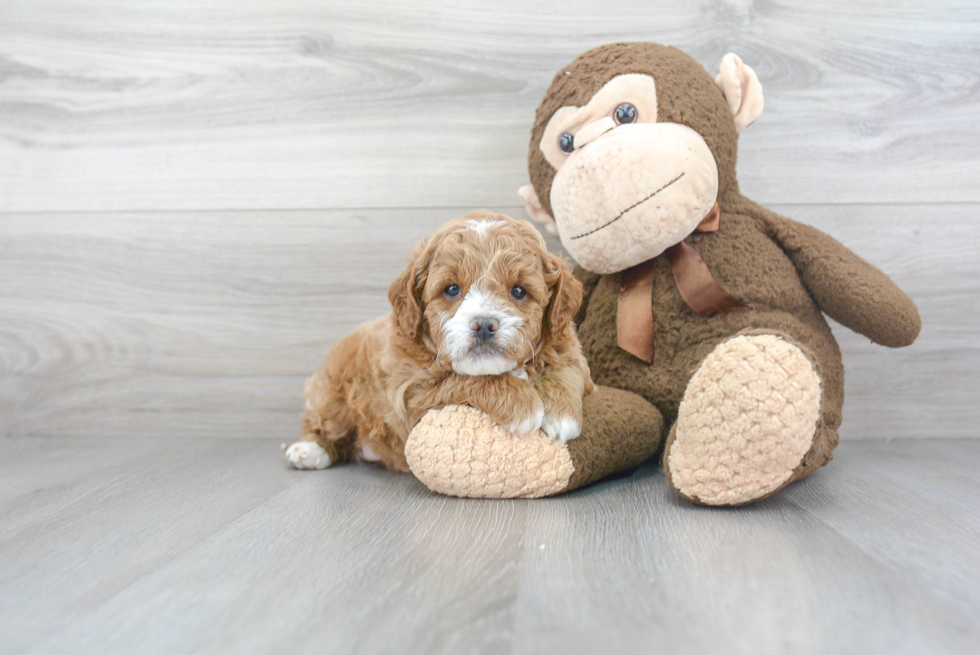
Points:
[(198, 199)]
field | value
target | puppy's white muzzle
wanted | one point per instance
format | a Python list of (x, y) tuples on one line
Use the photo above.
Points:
[(477, 336)]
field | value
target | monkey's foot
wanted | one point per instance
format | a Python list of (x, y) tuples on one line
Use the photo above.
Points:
[(747, 419), (460, 451)]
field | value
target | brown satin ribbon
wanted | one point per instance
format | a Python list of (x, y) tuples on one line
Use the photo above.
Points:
[(635, 330), (634, 311)]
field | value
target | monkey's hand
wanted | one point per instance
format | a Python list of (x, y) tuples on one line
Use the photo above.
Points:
[(849, 289)]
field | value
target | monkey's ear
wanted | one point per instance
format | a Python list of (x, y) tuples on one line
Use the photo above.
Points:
[(742, 90), (535, 210)]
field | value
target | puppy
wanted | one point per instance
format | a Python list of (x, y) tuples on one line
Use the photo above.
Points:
[(483, 316)]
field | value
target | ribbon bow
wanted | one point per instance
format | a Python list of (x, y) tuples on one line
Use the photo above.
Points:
[(635, 329)]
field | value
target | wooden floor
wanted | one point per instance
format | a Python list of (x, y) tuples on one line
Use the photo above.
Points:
[(170, 546)]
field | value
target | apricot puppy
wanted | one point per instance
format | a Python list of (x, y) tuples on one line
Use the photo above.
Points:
[(482, 316)]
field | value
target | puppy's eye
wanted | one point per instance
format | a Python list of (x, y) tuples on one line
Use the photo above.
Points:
[(518, 293), (566, 142), (625, 113), (452, 291)]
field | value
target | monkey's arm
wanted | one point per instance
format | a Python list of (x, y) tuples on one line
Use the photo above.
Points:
[(589, 281), (848, 289)]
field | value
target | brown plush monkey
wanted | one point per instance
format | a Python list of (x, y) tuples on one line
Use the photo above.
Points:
[(705, 306)]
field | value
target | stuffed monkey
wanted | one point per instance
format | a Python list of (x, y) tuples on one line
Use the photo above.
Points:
[(703, 315)]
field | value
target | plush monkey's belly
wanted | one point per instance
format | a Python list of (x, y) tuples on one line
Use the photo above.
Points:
[(683, 338)]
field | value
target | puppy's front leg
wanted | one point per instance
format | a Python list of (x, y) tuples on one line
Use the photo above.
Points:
[(561, 388), (510, 401)]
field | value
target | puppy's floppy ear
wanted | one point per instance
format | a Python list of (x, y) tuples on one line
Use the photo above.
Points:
[(566, 295), (405, 293), (566, 291)]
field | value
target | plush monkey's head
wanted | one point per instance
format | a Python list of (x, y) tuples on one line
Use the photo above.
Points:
[(631, 147)]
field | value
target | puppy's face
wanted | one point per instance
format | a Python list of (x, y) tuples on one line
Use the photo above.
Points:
[(484, 294)]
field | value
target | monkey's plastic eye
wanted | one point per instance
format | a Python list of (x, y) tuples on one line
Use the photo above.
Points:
[(625, 113), (452, 291), (566, 142), (518, 293)]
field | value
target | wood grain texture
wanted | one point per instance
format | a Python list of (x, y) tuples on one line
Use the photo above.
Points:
[(178, 545), (273, 104), (207, 324)]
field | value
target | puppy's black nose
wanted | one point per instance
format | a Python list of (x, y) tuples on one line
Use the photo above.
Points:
[(484, 328)]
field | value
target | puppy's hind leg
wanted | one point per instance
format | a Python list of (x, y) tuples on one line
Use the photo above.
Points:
[(328, 431)]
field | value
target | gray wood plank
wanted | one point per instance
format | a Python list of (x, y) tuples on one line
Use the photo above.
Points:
[(206, 324), (32, 467), (859, 558), (908, 506), (217, 546), (273, 104), (78, 544), (128, 515), (313, 558)]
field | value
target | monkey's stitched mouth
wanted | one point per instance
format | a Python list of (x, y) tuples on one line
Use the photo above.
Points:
[(633, 206)]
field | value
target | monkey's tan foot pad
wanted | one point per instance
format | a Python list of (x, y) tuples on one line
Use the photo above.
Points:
[(748, 416), (460, 451)]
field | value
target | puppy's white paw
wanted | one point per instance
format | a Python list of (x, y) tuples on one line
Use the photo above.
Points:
[(530, 424), (561, 428), (307, 455)]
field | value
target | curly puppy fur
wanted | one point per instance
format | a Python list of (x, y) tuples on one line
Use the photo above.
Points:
[(482, 317)]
